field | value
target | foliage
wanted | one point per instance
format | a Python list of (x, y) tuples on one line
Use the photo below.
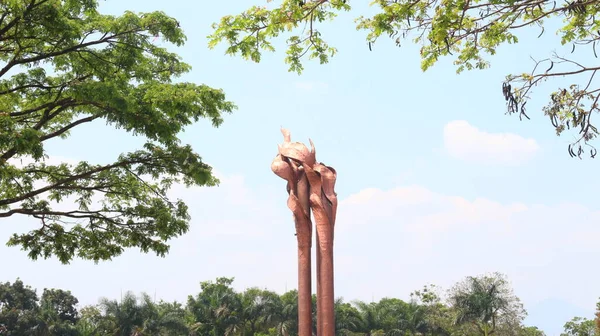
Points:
[(531, 331), (598, 318), (464, 29), (22, 313), (141, 317), (580, 327), (216, 308), (486, 302), (58, 313), (18, 307), (439, 317), (66, 65), (219, 310)]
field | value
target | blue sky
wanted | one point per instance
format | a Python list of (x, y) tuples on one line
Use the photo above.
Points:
[(436, 182)]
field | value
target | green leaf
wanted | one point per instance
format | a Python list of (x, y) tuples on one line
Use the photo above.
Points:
[(73, 65)]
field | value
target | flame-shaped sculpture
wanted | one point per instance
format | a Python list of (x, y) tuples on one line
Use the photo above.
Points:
[(310, 186)]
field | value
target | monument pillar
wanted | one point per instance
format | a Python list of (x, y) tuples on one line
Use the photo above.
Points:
[(310, 186)]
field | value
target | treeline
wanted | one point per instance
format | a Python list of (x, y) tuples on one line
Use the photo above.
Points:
[(483, 305)]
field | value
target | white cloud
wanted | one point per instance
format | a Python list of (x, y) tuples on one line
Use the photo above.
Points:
[(466, 142), (311, 86), (388, 243), (234, 232), (412, 236)]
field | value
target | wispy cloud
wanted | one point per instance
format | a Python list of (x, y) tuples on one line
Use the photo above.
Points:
[(466, 142), (442, 238), (411, 234)]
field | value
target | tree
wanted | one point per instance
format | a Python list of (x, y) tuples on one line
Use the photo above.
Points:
[(90, 322), (216, 309), (21, 313), (220, 310), (18, 308), (66, 65), (134, 316), (580, 327), (372, 319), (347, 319), (167, 319), (438, 317), (259, 309), (394, 316), (486, 302), (286, 321), (122, 318), (598, 318), (58, 313), (414, 320), (62, 302), (464, 29), (531, 331)]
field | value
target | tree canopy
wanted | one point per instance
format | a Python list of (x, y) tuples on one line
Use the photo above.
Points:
[(66, 65), (487, 302), (218, 309), (466, 30)]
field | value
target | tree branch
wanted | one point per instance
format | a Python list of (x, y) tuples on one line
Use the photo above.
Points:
[(14, 21), (34, 193), (41, 57), (43, 87), (68, 127)]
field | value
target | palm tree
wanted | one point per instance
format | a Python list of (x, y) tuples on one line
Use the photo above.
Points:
[(143, 317), (216, 309), (162, 318), (285, 317), (486, 302), (371, 319), (124, 318), (259, 310), (414, 320), (86, 328), (347, 319), (91, 322)]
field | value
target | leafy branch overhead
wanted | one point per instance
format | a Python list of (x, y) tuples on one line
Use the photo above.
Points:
[(65, 65), (466, 30)]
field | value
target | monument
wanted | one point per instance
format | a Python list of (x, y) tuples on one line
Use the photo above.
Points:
[(310, 186)]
